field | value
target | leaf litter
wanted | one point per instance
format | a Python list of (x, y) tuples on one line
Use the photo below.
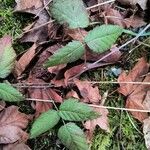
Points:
[(63, 80)]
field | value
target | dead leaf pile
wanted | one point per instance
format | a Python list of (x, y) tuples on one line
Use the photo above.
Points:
[(12, 123), (138, 95)]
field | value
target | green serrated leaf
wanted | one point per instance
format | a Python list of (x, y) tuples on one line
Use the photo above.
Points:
[(72, 110), (72, 12), (44, 122), (70, 53), (8, 93), (7, 56), (101, 38), (72, 137)]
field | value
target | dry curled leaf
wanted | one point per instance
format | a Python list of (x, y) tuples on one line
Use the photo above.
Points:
[(88, 92), (136, 93), (25, 60), (42, 94), (16, 146), (142, 3), (34, 7), (11, 124)]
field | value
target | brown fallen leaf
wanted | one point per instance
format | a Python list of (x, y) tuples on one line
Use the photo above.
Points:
[(142, 3), (34, 6), (88, 92), (76, 34), (42, 94), (73, 72), (11, 124), (114, 17), (136, 93), (16, 146), (114, 57), (73, 94), (146, 131), (25, 60), (102, 122), (38, 70), (134, 21), (135, 75), (56, 69)]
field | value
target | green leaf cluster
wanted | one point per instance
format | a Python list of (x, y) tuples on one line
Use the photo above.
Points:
[(99, 40), (70, 134)]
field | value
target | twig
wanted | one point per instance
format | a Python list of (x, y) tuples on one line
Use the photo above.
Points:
[(49, 85), (100, 4), (96, 106), (43, 8), (133, 124), (44, 24), (119, 108)]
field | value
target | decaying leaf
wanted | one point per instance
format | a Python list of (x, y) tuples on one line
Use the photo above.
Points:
[(102, 122), (88, 92), (11, 124), (34, 6), (114, 16), (142, 3), (136, 93), (42, 94), (146, 131), (25, 60), (16, 146)]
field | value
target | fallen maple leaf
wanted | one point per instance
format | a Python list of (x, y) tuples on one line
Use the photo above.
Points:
[(88, 92), (136, 93), (11, 124), (102, 122)]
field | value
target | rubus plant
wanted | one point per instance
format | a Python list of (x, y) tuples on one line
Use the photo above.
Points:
[(7, 62), (70, 134), (99, 40)]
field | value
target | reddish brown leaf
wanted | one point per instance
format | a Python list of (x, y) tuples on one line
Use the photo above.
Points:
[(102, 122), (140, 69), (39, 34), (76, 34), (88, 92), (73, 72), (134, 21), (114, 57), (73, 94), (11, 124), (42, 94), (56, 69), (16, 146), (25, 60), (136, 93), (113, 16)]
